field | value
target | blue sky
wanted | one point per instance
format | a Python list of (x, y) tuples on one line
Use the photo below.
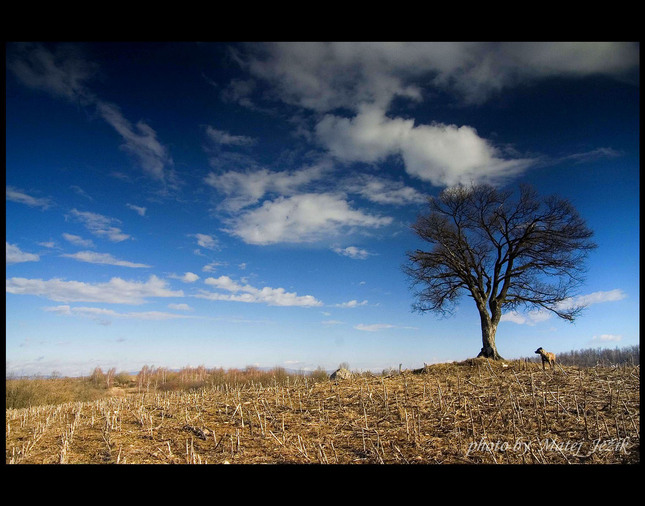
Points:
[(232, 204)]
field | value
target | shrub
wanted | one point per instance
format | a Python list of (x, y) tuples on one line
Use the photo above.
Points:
[(319, 374)]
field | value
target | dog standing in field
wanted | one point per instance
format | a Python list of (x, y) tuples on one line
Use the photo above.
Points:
[(546, 357)]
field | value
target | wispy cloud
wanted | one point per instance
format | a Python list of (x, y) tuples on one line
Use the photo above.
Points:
[(180, 307), (81, 192), (246, 293), (141, 211), (590, 156), (539, 315), (379, 72), (222, 137), (374, 327), (246, 188), (115, 291), (352, 303), (377, 327), (206, 241), (101, 258), (64, 72), (15, 255), (595, 298), (141, 142), (17, 195), (93, 312), (353, 252), (529, 318), (78, 240), (383, 191), (212, 266), (99, 225), (604, 338)]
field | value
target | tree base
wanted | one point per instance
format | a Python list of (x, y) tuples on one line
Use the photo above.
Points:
[(489, 352)]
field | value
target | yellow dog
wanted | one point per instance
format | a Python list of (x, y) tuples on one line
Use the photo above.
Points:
[(546, 357)]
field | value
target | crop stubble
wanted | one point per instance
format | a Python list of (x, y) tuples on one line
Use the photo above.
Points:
[(475, 411)]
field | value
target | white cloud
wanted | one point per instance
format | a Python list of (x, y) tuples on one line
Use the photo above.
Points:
[(141, 211), (115, 291), (368, 137), (78, 240), (226, 283), (301, 218), (539, 315), (99, 225), (248, 293), (17, 195), (443, 155), (101, 258), (448, 155), (94, 312), (15, 255), (353, 252), (188, 277)]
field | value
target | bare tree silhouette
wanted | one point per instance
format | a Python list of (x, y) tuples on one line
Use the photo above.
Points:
[(503, 253)]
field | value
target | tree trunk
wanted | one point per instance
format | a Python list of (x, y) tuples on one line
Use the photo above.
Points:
[(489, 328)]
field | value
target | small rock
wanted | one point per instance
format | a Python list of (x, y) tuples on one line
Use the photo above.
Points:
[(340, 374)]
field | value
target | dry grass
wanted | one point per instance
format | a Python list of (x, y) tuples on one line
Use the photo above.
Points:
[(472, 412)]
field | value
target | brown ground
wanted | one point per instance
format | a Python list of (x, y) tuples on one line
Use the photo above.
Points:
[(472, 412)]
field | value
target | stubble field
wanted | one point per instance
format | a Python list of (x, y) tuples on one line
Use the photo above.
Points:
[(472, 412)]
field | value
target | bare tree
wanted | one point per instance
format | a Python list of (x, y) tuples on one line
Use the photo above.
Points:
[(503, 253), (109, 377)]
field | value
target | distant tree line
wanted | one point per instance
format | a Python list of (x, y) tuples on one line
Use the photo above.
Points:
[(164, 379), (591, 357), (24, 392)]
